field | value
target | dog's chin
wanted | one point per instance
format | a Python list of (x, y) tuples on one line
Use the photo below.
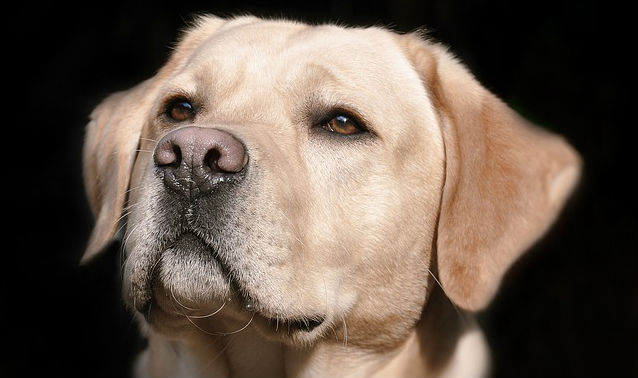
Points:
[(192, 291)]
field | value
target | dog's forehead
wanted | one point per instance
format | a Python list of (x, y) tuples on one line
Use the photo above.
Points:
[(271, 68), (279, 40), (283, 53)]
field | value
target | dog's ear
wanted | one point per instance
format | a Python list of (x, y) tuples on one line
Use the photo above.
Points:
[(110, 146), (505, 179), (113, 134)]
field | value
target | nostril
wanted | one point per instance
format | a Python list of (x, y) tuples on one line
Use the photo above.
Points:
[(227, 156), (168, 155), (211, 160)]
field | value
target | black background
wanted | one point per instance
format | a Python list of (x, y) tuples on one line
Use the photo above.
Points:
[(568, 308)]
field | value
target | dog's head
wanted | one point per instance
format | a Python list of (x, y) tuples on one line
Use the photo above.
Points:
[(308, 178)]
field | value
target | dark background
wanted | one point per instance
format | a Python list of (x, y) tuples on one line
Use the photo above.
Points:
[(568, 308)]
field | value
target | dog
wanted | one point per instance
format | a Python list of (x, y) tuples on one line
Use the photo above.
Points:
[(311, 201)]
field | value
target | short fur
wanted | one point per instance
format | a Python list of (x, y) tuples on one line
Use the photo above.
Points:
[(389, 241)]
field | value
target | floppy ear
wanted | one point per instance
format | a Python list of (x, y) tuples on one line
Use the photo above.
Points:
[(113, 135), (505, 179), (110, 146)]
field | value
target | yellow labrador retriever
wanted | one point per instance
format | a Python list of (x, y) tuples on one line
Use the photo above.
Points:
[(316, 201)]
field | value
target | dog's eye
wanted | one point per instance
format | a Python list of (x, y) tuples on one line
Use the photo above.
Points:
[(180, 110), (343, 124)]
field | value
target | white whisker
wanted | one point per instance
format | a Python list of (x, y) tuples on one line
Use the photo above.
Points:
[(294, 229), (241, 329), (456, 308), (435, 279), (325, 292), (205, 367), (131, 189), (124, 215), (130, 206), (334, 332), (129, 234), (219, 333), (155, 264), (122, 226), (345, 332), (209, 315), (180, 303)]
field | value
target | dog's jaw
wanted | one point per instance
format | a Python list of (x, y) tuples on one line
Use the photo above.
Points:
[(451, 346), (180, 280)]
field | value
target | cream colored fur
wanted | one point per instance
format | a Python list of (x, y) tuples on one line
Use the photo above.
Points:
[(393, 238)]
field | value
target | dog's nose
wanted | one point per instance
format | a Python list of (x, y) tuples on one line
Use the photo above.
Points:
[(194, 160)]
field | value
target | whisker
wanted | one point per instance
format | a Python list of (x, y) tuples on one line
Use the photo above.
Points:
[(219, 333), (121, 250), (126, 211), (155, 264), (129, 190), (294, 229), (325, 291), (191, 321), (209, 315), (131, 206), (334, 331), (140, 150), (212, 360), (124, 215), (456, 308), (242, 328), (152, 140), (122, 226), (180, 303), (150, 308), (129, 234), (435, 279), (345, 331)]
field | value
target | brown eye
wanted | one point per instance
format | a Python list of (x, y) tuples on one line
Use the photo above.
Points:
[(343, 124), (180, 110)]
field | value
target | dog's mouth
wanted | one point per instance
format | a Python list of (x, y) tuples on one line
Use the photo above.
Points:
[(293, 330), (280, 326), (289, 326)]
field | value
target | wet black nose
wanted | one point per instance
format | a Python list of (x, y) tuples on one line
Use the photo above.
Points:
[(194, 160)]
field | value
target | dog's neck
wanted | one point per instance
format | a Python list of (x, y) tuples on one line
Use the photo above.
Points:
[(445, 342)]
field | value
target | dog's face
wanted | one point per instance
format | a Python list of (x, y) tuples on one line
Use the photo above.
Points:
[(300, 179)]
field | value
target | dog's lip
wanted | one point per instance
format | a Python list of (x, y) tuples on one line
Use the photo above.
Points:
[(276, 323), (290, 325), (185, 239)]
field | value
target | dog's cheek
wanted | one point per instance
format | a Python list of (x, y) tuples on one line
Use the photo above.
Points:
[(383, 247), (140, 244)]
